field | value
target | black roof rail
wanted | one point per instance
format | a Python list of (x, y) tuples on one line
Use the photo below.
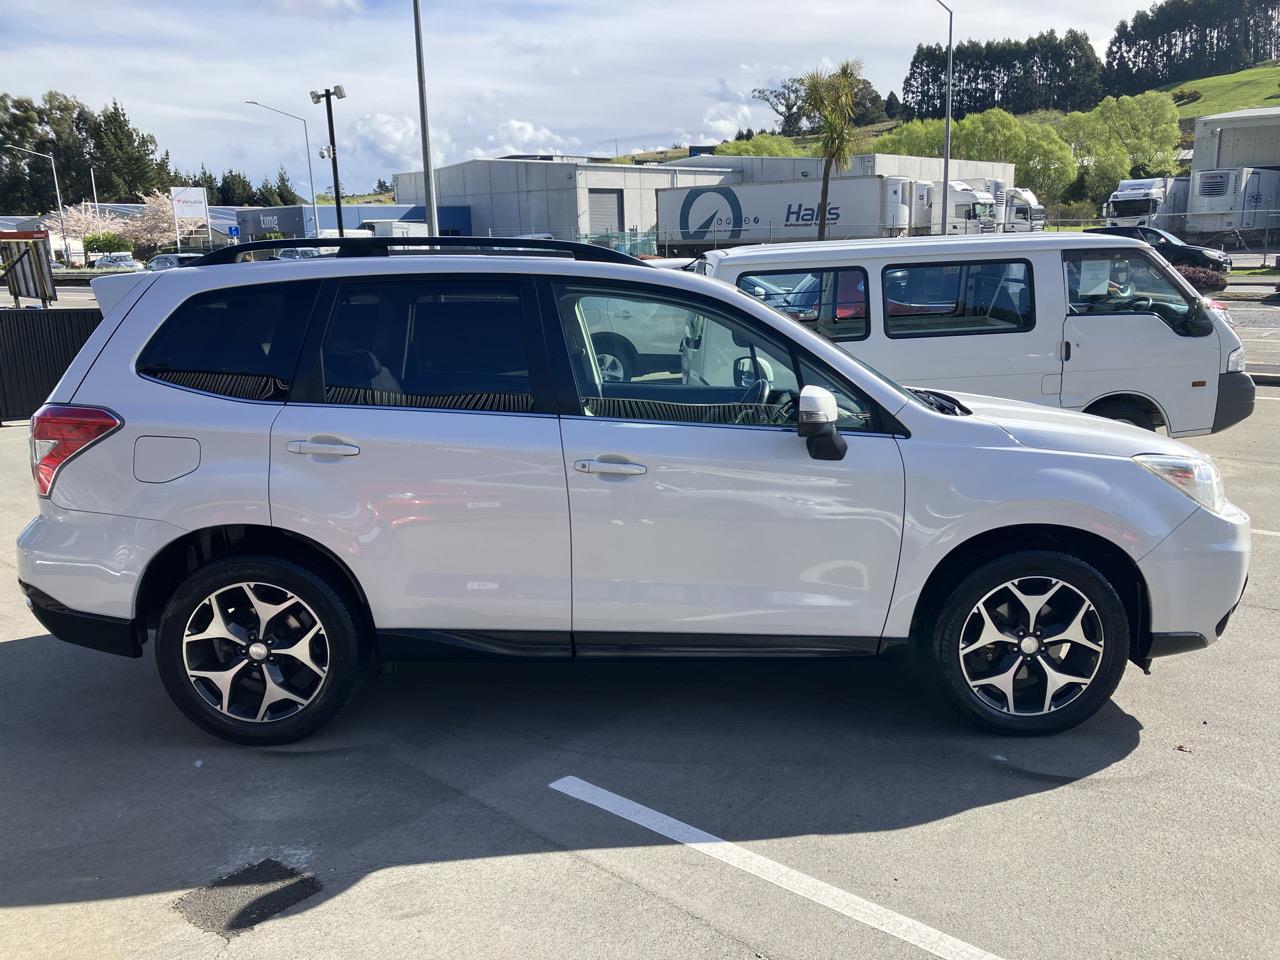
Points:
[(381, 247)]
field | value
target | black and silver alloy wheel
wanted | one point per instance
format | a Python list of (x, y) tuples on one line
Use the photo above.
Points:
[(1031, 646), (1030, 643), (255, 652), (259, 649), (613, 369)]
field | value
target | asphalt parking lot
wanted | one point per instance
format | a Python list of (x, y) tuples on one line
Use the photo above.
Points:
[(859, 817)]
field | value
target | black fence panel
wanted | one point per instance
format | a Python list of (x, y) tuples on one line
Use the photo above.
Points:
[(36, 346)]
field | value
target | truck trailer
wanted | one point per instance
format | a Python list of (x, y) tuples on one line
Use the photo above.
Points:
[(694, 219)]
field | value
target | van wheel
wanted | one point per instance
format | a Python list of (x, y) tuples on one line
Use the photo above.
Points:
[(1125, 412), (615, 357), (258, 650), (1031, 643)]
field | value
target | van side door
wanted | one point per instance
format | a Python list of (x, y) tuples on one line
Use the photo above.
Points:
[(1127, 332)]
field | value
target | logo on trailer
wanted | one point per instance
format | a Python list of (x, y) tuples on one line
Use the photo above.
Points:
[(724, 211)]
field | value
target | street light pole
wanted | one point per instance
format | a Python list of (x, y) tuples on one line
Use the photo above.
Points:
[(328, 97), (57, 192), (946, 146), (428, 176), (306, 138)]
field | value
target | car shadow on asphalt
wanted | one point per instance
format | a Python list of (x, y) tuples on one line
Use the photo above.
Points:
[(109, 792)]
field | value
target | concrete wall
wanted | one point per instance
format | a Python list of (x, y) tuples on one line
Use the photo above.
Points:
[(1246, 138), (929, 168), (512, 197)]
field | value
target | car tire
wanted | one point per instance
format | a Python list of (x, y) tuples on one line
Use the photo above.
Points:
[(615, 358), (1125, 411), (282, 659), (979, 658)]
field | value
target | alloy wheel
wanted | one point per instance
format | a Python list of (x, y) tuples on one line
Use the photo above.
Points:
[(255, 652), (1031, 646), (611, 367)]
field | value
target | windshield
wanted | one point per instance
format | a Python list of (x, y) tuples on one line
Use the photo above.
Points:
[(1168, 237), (984, 211), (1037, 213), (1132, 208)]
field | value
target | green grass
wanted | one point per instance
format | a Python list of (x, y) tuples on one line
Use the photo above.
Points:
[(1256, 272), (1256, 87)]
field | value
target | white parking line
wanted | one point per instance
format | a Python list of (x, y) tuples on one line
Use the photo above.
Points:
[(864, 911), (1267, 533), (1267, 398)]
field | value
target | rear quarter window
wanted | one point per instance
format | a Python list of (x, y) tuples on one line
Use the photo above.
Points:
[(239, 342)]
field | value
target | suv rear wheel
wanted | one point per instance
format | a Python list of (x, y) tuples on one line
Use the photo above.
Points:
[(258, 650), (1031, 643)]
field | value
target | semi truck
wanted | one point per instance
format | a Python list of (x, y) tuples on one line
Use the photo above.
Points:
[(1147, 202), (694, 219), (1018, 210)]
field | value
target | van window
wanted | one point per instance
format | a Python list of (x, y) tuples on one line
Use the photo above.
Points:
[(949, 299), (242, 342), (1123, 282), (834, 301), (430, 344)]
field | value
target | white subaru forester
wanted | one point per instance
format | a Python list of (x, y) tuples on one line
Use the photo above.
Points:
[(271, 470)]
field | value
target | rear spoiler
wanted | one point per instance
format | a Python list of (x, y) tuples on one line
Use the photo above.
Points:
[(113, 288)]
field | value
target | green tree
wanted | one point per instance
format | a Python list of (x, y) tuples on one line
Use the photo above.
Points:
[(383, 187), (868, 106), (892, 106), (125, 158), (761, 145), (829, 100), (234, 189), (266, 195), (917, 138), (1118, 138), (788, 101), (284, 188), (106, 243)]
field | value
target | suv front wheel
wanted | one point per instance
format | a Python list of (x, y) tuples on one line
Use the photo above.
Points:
[(258, 650), (1031, 643)]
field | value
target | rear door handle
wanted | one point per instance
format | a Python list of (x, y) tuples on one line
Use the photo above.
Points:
[(610, 468), (315, 448), (1066, 350)]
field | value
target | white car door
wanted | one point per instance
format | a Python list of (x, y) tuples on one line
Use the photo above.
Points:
[(1126, 327), (700, 523), (423, 454)]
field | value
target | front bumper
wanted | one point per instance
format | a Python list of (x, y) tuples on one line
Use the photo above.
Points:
[(108, 634), (1195, 579), (1236, 392)]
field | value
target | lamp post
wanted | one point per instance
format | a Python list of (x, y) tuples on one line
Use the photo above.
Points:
[(428, 176), (328, 97), (306, 139), (57, 192), (946, 145)]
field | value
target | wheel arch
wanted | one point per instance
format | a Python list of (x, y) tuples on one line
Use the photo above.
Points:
[(194, 549), (1110, 560), (1140, 400)]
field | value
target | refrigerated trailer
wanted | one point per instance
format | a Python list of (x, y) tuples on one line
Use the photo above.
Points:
[(695, 219)]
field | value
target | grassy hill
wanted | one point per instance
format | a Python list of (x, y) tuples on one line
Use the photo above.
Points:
[(1256, 87)]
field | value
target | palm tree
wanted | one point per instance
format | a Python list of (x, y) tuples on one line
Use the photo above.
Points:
[(829, 100)]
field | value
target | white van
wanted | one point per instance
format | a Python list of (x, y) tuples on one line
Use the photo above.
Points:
[(1094, 323)]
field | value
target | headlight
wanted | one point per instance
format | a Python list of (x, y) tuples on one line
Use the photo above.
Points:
[(1235, 360), (1198, 478)]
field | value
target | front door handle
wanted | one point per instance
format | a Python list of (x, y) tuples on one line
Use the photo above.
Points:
[(610, 468), (1066, 350), (316, 448)]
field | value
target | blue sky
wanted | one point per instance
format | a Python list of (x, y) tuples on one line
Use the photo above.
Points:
[(504, 77)]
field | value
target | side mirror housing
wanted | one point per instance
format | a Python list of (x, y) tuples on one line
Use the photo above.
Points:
[(816, 417)]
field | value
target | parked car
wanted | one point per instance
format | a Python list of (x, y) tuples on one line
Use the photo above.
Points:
[(295, 253), (1176, 251), (167, 261), (1082, 321), (270, 470), (117, 261)]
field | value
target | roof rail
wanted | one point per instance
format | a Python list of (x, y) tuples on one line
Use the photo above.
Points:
[(382, 246)]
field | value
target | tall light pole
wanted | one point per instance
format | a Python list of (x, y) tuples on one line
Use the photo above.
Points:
[(306, 139), (428, 177), (57, 192), (328, 97), (946, 144)]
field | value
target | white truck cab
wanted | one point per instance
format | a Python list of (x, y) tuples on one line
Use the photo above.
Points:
[(1094, 323)]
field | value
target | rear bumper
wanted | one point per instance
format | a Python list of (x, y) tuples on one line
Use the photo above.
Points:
[(107, 634), (1235, 399)]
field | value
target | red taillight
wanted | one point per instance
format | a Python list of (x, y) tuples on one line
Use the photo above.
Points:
[(59, 431)]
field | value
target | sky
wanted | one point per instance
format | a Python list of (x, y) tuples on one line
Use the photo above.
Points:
[(503, 76)]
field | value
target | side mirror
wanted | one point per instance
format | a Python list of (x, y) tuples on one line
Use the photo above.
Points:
[(758, 292), (816, 419)]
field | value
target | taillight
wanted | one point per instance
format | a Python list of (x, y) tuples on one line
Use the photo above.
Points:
[(59, 431)]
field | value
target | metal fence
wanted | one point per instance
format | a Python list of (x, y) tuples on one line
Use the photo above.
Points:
[(36, 346), (1253, 235)]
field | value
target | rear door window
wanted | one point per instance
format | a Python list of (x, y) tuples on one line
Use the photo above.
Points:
[(834, 301), (951, 299), (241, 342)]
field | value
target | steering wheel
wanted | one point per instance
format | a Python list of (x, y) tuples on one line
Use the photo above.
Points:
[(752, 401), (1136, 304)]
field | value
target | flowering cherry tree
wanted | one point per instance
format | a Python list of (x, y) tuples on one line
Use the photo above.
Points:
[(154, 225)]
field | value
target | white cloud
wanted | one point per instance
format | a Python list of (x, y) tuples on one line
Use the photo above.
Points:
[(504, 76)]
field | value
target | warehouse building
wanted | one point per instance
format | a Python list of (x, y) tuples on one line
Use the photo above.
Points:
[(296, 220)]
